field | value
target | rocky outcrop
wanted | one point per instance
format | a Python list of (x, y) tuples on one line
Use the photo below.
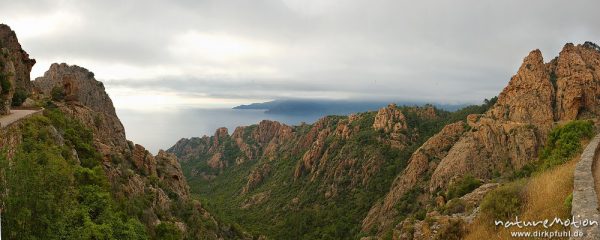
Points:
[(143, 160), (510, 134), (7, 81), (15, 67), (392, 121), (529, 96), (21, 61), (170, 173), (265, 137), (422, 162), (86, 99), (256, 177), (576, 72), (132, 170), (77, 84)]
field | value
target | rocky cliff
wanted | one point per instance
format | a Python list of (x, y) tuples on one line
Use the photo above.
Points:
[(334, 168), (132, 170), (510, 134), (15, 66), (403, 158)]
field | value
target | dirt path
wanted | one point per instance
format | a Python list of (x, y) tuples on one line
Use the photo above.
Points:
[(15, 115)]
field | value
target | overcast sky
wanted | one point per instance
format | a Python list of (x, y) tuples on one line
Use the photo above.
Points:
[(155, 55)]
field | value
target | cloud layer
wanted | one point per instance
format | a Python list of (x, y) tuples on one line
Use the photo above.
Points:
[(214, 53)]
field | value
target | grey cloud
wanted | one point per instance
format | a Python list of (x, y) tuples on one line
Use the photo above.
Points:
[(444, 51)]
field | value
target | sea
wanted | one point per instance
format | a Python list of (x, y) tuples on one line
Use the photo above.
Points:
[(161, 130)]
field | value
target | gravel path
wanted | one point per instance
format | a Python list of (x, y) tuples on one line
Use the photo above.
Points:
[(14, 116)]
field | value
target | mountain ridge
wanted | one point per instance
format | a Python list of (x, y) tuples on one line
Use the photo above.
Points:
[(497, 140)]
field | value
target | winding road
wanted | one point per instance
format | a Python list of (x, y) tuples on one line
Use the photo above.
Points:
[(16, 115)]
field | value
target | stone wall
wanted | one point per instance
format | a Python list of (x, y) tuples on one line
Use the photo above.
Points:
[(585, 197)]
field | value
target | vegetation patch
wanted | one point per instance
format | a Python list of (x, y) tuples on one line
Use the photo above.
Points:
[(564, 142), (47, 194), (465, 185), (504, 202)]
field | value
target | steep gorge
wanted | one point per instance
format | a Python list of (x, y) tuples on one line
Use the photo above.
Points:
[(363, 174)]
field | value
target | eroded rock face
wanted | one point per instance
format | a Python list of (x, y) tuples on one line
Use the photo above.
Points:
[(15, 67), (267, 136), (22, 63), (143, 160), (78, 84), (256, 177), (7, 80), (392, 121), (577, 73), (511, 133), (422, 162), (129, 167), (87, 100), (529, 95), (169, 171)]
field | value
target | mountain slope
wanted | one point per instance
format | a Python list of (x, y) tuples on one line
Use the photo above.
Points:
[(509, 135), (70, 173), (364, 174), (308, 181)]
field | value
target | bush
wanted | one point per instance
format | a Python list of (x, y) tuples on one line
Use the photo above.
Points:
[(168, 231), (564, 142), (456, 205), (57, 93), (465, 185), (454, 230), (5, 83), (504, 202), (408, 203), (19, 97), (569, 201)]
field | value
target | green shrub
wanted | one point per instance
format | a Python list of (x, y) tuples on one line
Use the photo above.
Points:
[(53, 197), (57, 93), (168, 231), (569, 201), (504, 202), (408, 203), (564, 142), (456, 205), (5, 83), (465, 185), (19, 97)]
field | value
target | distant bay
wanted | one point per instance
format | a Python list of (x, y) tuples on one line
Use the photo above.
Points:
[(161, 130)]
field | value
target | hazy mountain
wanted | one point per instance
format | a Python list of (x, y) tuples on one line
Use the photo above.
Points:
[(332, 107)]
